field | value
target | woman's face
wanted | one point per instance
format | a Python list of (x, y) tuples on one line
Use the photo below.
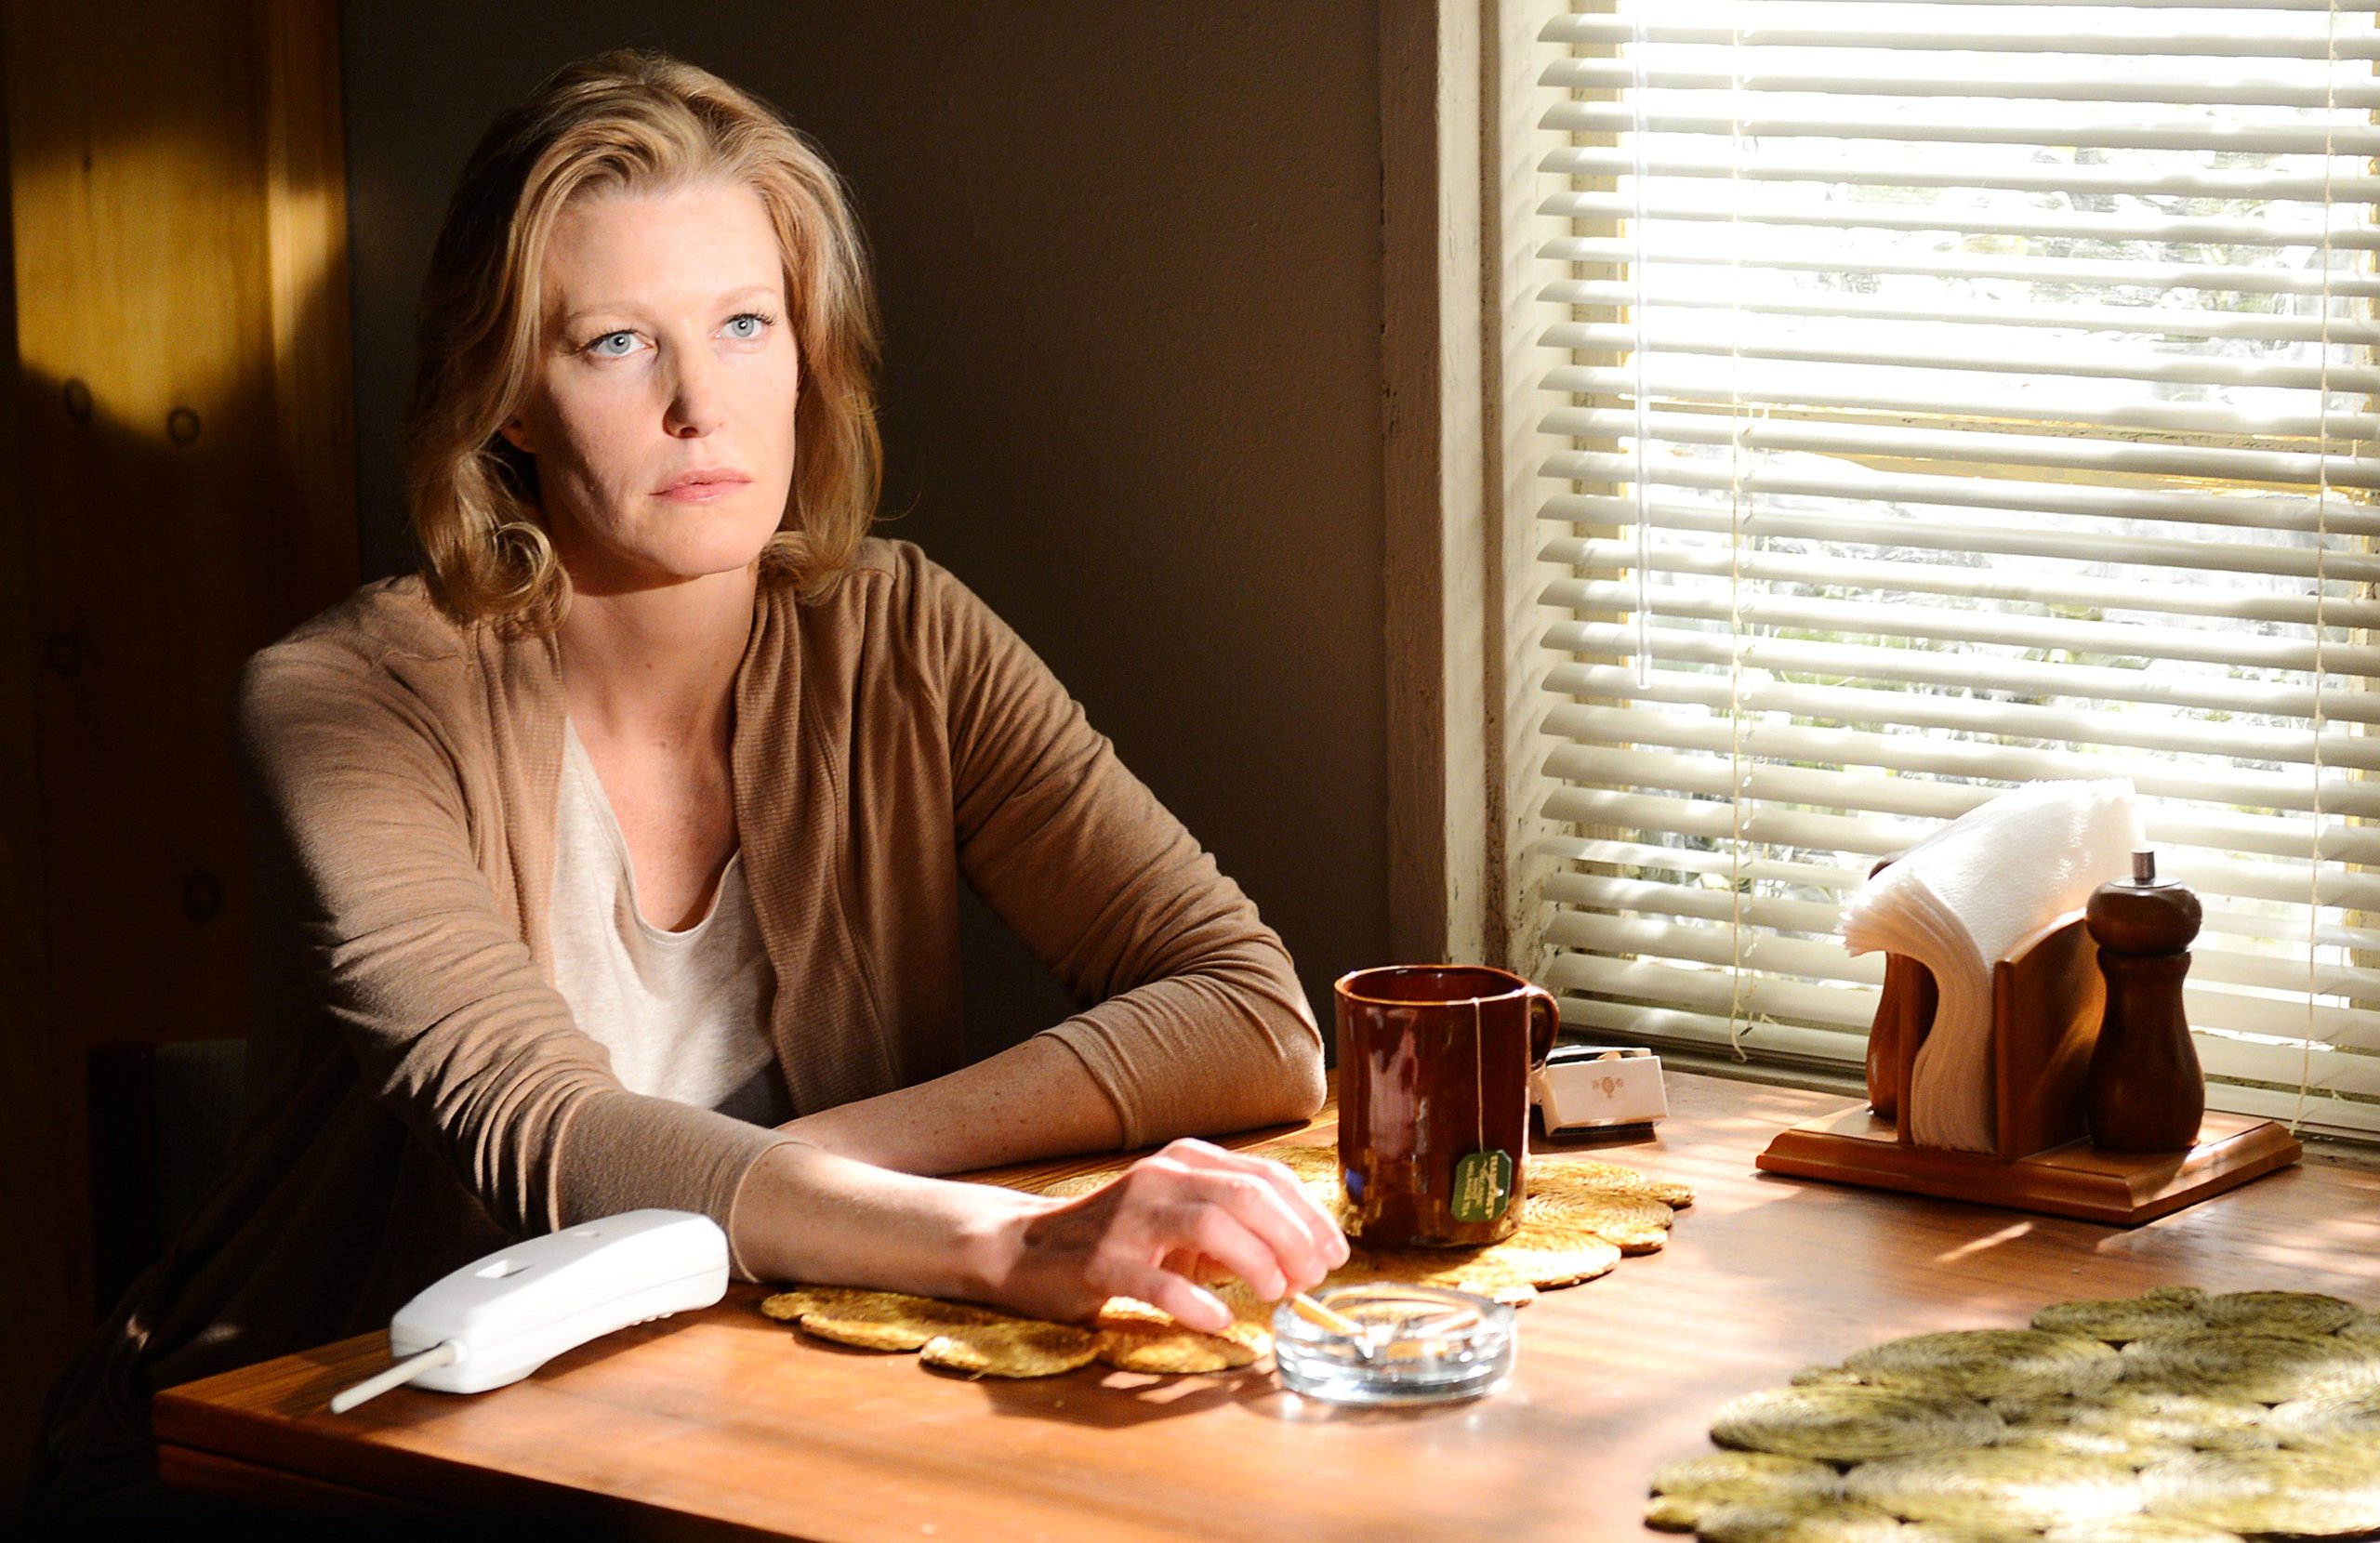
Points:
[(662, 416)]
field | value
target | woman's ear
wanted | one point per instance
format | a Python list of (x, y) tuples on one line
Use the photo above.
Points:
[(516, 434)]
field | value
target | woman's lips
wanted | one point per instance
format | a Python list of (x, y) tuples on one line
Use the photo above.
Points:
[(703, 488)]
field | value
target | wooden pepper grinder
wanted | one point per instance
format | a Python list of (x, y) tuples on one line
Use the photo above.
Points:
[(2146, 1090)]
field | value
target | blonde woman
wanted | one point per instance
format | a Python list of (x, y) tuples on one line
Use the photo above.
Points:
[(614, 859)]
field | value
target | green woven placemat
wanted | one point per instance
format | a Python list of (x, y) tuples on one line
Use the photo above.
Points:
[(2051, 1434)]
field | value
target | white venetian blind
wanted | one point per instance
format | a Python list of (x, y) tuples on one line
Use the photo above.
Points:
[(1960, 394)]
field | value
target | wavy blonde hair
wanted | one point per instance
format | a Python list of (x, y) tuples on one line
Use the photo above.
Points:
[(638, 123)]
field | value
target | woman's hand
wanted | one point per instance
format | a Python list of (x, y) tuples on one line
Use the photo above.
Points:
[(1190, 1206)]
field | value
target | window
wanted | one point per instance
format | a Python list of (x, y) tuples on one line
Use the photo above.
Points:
[(1909, 400)]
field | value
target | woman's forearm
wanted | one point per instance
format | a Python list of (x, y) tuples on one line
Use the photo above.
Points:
[(806, 1214), (1032, 1101)]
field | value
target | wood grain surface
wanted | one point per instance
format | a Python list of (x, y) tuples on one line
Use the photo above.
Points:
[(724, 1423), (181, 492)]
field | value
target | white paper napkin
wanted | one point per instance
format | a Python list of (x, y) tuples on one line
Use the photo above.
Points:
[(1960, 901)]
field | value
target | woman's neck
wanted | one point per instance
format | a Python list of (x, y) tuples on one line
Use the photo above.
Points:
[(655, 668)]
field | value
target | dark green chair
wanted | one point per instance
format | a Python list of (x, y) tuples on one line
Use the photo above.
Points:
[(162, 1117)]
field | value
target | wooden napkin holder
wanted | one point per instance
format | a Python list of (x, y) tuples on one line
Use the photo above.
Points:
[(2045, 1008)]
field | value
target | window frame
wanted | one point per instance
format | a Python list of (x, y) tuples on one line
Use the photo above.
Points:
[(1436, 520), (1462, 220), (1460, 197)]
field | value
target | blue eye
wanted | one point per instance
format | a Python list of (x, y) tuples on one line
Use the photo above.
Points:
[(602, 345), (743, 333)]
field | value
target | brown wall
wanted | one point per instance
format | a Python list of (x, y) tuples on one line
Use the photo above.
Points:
[(1130, 259)]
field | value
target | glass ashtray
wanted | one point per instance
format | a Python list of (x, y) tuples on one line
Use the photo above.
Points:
[(1410, 1344)]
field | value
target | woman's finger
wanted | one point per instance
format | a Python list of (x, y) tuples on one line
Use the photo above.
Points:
[(1163, 1208), (1191, 1213), (1190, 1305), (1223, 1237), (1240, 1188), (1329, 1242), (1194, 1265)]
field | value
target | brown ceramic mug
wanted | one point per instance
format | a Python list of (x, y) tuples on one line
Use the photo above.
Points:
[(1434, 1066)]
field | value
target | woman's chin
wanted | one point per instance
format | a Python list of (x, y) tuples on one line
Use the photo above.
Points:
[(721, 548), (625, 572)]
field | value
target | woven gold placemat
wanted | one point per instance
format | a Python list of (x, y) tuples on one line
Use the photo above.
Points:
[(2294, 1494), (2347, 1423), (1688, 1491), (1748, 1476), (1988, 1363), (1794, 1522), (2269, 1368), (1579, 1216), (2124, 1319), (2281, 1312), (2139, 1529), (2051, 1434), (1853, 1424), (2148, 1418), (2006, 1486)]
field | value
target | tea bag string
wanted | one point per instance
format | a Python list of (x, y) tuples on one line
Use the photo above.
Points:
[(1479, 1072)]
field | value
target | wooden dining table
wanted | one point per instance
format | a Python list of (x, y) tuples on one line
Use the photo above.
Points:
[(726, 1423)]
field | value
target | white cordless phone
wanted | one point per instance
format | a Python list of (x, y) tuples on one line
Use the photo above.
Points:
[(498, 1319)]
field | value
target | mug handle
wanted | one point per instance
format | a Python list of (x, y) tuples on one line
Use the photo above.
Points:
[(1544, 1026)]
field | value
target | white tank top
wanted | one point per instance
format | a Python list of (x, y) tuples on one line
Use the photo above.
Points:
[(681, 1012)]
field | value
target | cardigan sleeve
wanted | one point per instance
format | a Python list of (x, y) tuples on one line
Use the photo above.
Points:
[(1191, 1019), (454, 1028)]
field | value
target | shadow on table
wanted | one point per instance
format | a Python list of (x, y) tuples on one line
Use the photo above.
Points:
[(1125, 1400), (149, 1513), (349, 1362)]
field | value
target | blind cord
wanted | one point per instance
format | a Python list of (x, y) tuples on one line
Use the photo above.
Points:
[(1641, 166), (1736, 983), (2321, 582)]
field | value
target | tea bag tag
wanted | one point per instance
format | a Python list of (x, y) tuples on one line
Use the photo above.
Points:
[(1483, 1186)]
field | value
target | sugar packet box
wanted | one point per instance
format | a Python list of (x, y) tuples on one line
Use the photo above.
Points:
[(1592, 1086)]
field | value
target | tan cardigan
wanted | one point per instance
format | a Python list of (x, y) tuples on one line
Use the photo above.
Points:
[(418, 1094)]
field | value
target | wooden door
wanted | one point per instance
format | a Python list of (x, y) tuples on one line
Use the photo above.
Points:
[(175, 491)]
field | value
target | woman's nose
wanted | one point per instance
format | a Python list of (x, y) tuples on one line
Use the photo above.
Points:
[(693, 409)]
